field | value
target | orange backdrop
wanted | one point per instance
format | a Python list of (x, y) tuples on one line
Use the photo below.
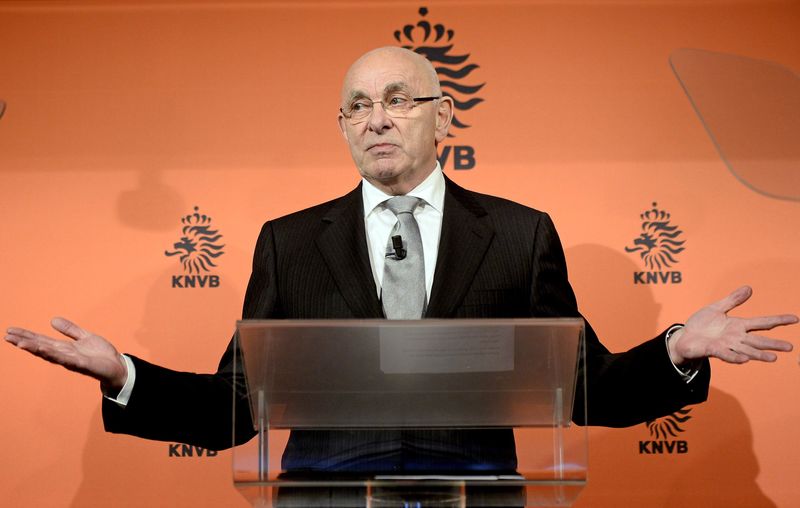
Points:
[(123, 116)]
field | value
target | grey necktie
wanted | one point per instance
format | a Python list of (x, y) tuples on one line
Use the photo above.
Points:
[(403, 288)]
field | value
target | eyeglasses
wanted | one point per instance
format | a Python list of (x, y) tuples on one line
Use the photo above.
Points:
[(396, 105)]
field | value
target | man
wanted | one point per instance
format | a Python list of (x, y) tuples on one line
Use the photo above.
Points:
[(481, 256)]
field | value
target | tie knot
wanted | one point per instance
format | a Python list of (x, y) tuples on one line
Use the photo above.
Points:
[(402, 204)]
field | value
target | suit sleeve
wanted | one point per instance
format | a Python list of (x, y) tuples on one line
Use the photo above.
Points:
[(622, 389), (196, 409)]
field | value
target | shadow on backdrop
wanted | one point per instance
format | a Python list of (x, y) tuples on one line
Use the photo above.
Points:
[(152, 206)]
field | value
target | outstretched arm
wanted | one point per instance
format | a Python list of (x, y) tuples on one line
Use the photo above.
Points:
[(710, 332), (86, 353)]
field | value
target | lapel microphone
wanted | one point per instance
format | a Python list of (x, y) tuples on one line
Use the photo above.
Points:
[(397, 245)]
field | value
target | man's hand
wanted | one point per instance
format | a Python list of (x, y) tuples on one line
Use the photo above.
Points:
[(711, 332), (87, 353)]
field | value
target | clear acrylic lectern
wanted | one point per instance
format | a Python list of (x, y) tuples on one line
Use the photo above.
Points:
[(411, 414)]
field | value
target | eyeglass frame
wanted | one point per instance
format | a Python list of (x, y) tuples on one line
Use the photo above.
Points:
[(415, 100)]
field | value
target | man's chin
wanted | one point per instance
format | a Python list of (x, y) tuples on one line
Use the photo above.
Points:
[(383, 173), (388, 181)]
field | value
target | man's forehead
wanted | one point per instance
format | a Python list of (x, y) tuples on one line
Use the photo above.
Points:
[(377, 70), (380, 85)]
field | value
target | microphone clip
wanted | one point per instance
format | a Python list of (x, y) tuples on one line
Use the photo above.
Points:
[(397, 245)]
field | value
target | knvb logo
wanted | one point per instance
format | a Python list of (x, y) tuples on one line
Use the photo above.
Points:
[(658, 245), (198, 248), (664, 432), (435, 43), (185, 450)]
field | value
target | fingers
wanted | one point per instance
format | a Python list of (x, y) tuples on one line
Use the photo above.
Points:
[(69, 328), (769, 322), (754, 353), (759, 342), (733, 300), (21, 336), (40, 345), (730, 355), (751, 347), (35, 342)]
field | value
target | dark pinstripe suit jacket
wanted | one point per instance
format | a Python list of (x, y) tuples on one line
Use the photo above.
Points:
[(496, 259)]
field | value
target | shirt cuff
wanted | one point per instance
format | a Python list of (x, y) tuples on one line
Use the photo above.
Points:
[(124, 395), (687, 373)]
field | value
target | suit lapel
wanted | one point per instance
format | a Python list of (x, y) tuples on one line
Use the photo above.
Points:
[(343, 246), (462, 246)]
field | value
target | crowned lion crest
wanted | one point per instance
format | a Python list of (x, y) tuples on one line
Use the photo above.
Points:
[(198, 246), (659, 242)]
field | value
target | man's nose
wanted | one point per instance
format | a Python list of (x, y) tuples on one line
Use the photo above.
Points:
[(378, 119)]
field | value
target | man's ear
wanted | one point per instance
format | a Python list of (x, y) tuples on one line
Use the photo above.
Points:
[(444, 116), (342, 128)]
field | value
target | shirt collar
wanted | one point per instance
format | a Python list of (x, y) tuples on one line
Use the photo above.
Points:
[(431, 191)]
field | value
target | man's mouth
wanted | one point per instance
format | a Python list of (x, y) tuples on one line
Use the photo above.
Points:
[(381, 147)]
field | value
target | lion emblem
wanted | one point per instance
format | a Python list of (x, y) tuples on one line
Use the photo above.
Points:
[(658, 243), (669, 425), (197, 248)]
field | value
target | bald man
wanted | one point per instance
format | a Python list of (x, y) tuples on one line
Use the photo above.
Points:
[(483, 257)]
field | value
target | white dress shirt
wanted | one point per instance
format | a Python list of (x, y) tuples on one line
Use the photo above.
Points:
[(379, 222)]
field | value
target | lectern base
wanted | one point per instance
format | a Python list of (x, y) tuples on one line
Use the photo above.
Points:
[(412, 494)]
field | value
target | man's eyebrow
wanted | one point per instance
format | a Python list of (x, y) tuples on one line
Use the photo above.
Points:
[(397, 86), (355, 95)]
